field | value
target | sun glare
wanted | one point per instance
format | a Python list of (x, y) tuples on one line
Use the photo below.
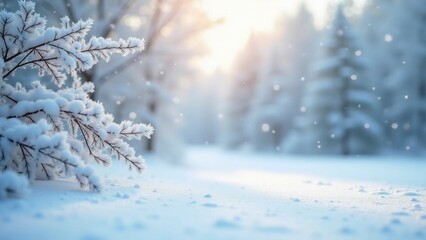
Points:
[(242, 17)]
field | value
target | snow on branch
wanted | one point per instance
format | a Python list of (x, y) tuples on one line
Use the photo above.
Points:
[(45, 134), (54, 51)]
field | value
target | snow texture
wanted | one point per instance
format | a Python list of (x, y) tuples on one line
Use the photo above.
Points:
[(252, 197)]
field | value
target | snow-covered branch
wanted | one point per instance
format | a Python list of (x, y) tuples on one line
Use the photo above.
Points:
[(54, 51), (46, 134)]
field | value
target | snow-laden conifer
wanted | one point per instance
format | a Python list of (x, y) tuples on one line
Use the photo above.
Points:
[(339, 107), (47, 133), (405, 86), (12, 184), (278, 91)]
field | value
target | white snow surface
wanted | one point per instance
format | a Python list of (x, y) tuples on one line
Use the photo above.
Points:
[(223, 195)]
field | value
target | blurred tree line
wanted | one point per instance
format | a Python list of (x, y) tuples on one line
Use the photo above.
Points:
[(356, 87)]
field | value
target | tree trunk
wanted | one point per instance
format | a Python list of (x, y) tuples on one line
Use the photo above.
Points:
[(150, 143), (345, 114)]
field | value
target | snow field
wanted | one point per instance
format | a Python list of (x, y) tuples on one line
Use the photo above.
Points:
[(221, 195)]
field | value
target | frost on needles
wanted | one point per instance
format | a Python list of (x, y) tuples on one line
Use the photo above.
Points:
[(45, 133)]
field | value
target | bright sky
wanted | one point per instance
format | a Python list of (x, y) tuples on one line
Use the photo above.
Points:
[(241, 17)]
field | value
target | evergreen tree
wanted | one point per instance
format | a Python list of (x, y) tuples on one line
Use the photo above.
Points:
[(240, 95), (376, 26), (405, 113), (270, 104), (279, 89), (338, 106)]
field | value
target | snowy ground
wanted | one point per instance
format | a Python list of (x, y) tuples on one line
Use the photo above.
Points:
[(220, 195)]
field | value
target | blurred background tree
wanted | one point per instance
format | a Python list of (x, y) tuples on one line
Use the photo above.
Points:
[(147, 86), (339, 108), (273, 81)]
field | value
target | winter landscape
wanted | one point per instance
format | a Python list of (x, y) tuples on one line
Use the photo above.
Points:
[(187, 119)]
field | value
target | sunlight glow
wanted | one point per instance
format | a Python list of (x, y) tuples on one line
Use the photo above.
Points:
[(242, 17)]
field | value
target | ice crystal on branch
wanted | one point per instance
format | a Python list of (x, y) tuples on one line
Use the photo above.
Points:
[(44, 133)]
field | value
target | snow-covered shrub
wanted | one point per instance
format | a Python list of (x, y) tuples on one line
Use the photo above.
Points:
[(47, 133), (12, 184)]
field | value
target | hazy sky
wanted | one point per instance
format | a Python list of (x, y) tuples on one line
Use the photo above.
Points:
[(241, 17)]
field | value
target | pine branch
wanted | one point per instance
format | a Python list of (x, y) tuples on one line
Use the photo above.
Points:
[(24, 153), (34, 139), (5, 20), (74, 34)]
